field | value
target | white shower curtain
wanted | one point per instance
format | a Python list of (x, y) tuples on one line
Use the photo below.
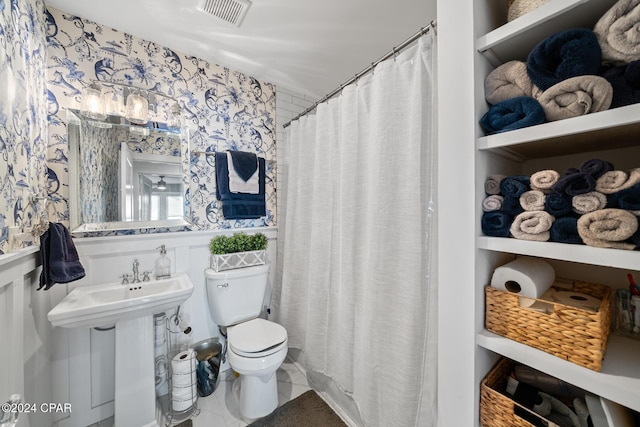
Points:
[(355, 285)]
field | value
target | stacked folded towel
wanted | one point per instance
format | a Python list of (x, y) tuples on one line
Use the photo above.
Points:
[(243, 204), (570, 73), (594, 204)]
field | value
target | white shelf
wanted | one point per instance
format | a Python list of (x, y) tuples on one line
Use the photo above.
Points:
[(605, 130), (616, 258), (514, 40), (619, 379)]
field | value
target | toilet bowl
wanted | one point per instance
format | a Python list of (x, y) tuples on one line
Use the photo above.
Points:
[(258, 384), (256, 347)]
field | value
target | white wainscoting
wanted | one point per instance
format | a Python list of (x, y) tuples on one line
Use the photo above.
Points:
[(76, 366)]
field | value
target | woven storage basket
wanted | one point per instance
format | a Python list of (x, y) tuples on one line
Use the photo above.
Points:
[(577, 335), (496, 408)]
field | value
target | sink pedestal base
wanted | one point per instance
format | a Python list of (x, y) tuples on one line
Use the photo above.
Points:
[(135, 399)]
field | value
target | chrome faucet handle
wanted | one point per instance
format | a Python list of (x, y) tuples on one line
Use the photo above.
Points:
[(125, 279), (145, 276)]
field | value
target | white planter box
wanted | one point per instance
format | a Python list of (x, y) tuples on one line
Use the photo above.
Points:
[(237, 260)]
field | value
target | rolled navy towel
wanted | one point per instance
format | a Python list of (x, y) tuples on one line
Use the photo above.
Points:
[(512, 206), (515, 185), (565, 230), (576, 96), (575, 184), (617, 32), (608, 228), (543, 180), (496, 224), (532, 225), (492, 203), (566, 54), (596, 167), (617, 180), (512, 114), (627, 199), (558, 204), (509, 80), (625, 81)]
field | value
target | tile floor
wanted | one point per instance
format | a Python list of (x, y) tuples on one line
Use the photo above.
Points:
[(220, 408)]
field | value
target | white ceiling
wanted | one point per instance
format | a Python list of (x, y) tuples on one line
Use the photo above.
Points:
[(308, 46)]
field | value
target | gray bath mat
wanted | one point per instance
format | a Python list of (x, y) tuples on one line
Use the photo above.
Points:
[(307, 410)]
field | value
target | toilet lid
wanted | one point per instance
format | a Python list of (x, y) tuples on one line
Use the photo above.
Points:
[(256, 335)]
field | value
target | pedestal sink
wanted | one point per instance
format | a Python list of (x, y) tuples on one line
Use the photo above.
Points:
[(131, 308)]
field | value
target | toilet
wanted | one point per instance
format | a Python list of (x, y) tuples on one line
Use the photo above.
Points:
[(255, 347)]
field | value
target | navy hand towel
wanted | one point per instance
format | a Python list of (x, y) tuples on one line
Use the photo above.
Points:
[(515, 186), (60, 260), (511, 114), (566, 54), (245, 164), (558, 204), (239, 205), (596, 167), (628, 199), (565, 230)]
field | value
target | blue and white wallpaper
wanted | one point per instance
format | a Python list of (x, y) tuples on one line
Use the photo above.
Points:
[(23, 114), (223, 109)]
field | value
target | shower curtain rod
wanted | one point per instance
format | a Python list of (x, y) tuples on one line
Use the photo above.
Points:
[(393, 52)]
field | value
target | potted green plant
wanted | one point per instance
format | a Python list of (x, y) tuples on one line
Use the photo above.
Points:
[(237, 251)]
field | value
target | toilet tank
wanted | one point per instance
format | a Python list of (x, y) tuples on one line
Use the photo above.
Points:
[(236, 295)]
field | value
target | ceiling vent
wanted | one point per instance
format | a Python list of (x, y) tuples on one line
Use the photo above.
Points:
[(232, 11)]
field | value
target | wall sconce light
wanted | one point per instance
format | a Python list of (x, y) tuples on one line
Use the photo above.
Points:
[(114, 102), (162, 185), (91, 104), (137, 110), (176, 120)]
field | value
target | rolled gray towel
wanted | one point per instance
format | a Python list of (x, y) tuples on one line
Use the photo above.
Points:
[(532, 225), (492, 203), (532, 200), (588, 202), (575, 97), (509, 80), (617, 33), (543, 180), (617, 180), (492, 184), (608, 228)]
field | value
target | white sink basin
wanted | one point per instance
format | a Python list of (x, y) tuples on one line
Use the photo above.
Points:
[(102, 305)]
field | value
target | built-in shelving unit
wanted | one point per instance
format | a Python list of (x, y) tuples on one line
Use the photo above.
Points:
[(611, 130)]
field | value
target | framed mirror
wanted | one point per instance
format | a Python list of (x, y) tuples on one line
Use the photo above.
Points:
[(126, 177)]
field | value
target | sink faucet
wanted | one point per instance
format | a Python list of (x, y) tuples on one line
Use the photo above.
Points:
[(136, 275)]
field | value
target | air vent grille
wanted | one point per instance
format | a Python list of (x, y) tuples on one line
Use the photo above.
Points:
[(232, 11)]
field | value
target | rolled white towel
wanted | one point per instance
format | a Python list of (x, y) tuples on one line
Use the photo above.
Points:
[(576, 96), (492, 184), (492, 203), (588, 202), (543, 180), (618, 34), (608, 228), (617, 180), (532, 200), (509, 80), (532, 225)]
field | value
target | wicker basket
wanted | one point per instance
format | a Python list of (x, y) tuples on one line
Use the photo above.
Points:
[(498, 409), (577, 335), (237, 260)]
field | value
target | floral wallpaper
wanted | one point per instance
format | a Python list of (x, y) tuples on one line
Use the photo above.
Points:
[(23, 115), (224, 109)]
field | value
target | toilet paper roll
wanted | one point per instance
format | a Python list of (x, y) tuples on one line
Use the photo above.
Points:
[(183, 380), (527, 277), (578, 300)]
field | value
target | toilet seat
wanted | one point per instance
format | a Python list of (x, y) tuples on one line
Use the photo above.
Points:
[(256, 338)]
